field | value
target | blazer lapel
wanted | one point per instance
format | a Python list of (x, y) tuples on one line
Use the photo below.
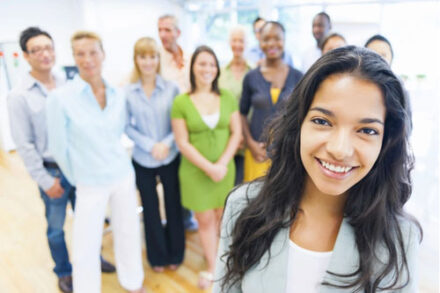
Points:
[(272, 276), (344, 260)]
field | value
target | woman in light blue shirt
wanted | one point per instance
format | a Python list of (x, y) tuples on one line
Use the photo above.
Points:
[(85, 122), (149, 101)]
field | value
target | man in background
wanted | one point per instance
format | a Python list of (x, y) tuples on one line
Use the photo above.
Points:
[(174, 62), (174, 66), (321, 25)]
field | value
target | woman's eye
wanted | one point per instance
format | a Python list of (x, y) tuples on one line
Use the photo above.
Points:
[(320, 121), (369, 131)]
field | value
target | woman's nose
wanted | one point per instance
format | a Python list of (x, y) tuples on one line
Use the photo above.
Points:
[(340, 145)]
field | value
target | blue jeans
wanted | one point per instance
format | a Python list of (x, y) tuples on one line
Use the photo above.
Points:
[(55, 216)]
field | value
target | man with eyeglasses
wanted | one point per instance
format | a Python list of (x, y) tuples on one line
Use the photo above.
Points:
[(26, 103)]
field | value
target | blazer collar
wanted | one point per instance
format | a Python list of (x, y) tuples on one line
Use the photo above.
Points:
[(344, 260), (273, 275)]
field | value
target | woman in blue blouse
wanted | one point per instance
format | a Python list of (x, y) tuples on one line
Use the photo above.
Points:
[(149, 101)]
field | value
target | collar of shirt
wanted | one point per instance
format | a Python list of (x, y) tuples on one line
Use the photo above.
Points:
[(83, 87), (168, 57), (29, 82), (228, 67), (160, 84)]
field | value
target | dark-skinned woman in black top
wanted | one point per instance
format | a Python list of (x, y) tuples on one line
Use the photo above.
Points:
[(264, 90)]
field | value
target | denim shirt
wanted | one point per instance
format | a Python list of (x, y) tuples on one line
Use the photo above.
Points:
[(149, 121), (84, 139)]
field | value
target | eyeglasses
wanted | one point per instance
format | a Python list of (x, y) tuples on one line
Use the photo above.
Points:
[(38, 51)]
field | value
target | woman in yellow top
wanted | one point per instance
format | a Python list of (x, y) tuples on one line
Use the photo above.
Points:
[(264, 88)]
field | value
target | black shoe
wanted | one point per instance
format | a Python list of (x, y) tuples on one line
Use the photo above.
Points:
[(107, 267), (65, 284)]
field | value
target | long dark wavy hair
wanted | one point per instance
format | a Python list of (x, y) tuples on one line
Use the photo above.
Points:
[(374, 205), (192, 78)]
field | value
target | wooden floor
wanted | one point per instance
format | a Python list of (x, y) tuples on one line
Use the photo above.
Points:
[(25, 261)]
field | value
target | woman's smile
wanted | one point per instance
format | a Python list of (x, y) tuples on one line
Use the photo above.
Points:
[(335, 171)]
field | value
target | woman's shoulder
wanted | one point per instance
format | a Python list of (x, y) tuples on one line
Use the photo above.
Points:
[(411, 231), (225, 68), (131, 88), (168, 84), (227, 94), (181, 98), (295, 73), (241, 195), (253, 77), (254, 72), (180, 106), (238, 199)]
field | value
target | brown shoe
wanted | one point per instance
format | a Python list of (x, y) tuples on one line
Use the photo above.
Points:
[(65, 284)]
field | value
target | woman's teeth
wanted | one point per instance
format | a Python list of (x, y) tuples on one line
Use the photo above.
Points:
[(333, 168)]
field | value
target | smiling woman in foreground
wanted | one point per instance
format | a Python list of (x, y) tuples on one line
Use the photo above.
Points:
[(328, 216)]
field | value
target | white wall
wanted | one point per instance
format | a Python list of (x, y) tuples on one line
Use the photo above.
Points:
[(60, 18), (120, 23)]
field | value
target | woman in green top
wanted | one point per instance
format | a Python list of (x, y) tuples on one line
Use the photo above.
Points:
[(231, 79), (207, 130)]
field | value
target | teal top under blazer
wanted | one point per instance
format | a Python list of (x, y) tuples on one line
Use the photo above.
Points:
[(271, 277)]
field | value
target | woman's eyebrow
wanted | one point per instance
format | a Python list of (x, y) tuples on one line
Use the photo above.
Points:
[(371, 120), (322, 110), (331, 114)]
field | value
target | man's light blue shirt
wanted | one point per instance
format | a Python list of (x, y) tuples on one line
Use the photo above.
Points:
[(84, 139), (149, 121)]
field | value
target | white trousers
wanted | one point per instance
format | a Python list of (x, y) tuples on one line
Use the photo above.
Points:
[(90, 208)]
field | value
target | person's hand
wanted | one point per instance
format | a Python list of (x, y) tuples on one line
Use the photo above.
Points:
[(258, 151), (160, 151), (56, 191), (217, 172)]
